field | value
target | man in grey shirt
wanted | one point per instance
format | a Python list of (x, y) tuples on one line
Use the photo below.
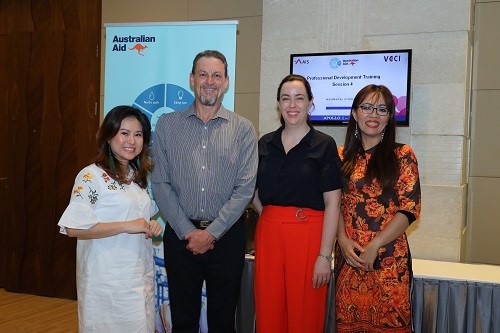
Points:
[(205, 160)]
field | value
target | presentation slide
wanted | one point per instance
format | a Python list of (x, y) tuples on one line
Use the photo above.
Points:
[(335, 79)]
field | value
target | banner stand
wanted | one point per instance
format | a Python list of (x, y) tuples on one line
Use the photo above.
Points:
[(147, 65)]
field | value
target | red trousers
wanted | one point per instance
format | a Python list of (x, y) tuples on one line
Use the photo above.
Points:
[(287, 242)]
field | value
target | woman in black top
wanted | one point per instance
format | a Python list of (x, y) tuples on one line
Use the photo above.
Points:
[(298, 196)]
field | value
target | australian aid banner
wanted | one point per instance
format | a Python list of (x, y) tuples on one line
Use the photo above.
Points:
[(147, 65)]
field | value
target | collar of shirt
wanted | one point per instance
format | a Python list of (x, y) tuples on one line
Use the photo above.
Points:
[(221, 113), (307, 140)]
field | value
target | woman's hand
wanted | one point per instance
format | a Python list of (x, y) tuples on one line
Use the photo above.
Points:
[(369, 256), (352, 251), (140, 225), (155, 227), (322, 272)]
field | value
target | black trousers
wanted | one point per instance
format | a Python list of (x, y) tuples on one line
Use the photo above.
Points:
[(221, 268)]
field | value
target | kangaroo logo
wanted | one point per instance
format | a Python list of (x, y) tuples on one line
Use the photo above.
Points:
[(139, 48)]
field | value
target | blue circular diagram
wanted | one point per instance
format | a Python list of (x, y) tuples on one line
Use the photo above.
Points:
[(163, 98)]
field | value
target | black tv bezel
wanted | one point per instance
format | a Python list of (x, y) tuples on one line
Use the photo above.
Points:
[(401, 123)]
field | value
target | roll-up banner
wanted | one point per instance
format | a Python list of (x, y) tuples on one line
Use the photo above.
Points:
[(147, 65)]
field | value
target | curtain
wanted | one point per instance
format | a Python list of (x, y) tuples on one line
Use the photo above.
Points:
[(455, 306)]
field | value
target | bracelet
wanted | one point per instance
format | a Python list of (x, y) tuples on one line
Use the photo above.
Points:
[(329, 258)]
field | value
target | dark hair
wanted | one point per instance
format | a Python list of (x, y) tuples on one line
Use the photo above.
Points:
[(290, 78), (210, 54), (109, 128), (383, 164)]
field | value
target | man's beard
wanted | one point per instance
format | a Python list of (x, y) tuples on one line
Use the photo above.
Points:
[(208, 101)]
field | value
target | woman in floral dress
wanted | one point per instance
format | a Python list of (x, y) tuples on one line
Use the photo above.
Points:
[(380, 199)]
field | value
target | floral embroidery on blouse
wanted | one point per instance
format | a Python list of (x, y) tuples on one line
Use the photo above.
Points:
[(105, 177), (87, 177), (115, 185), (93, 196), (77, 191)]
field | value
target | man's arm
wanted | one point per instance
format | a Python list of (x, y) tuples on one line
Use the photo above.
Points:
[(244, 186)]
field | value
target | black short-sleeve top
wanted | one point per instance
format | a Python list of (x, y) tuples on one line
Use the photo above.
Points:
[(300, 177)]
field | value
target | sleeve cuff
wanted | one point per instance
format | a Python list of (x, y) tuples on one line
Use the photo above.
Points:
[(410, 216)]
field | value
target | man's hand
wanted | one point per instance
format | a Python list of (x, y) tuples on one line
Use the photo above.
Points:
[(199, 241)]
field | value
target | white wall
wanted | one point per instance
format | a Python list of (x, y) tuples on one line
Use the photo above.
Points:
[(439, 33)]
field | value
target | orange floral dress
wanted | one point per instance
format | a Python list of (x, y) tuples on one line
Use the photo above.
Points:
[(377, 301)]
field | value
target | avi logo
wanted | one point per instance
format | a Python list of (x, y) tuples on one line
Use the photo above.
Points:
[(139, 48), (392, 58), (301, 61)]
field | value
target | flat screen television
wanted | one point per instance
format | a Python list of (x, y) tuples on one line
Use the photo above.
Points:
[(336, 77)]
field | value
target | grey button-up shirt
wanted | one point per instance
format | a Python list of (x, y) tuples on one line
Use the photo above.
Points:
[(203, 171)]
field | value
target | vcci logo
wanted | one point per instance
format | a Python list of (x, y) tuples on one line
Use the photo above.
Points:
[(392, 58), (301, 61)]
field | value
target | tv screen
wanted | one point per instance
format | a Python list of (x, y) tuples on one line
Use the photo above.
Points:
[(336, 77)]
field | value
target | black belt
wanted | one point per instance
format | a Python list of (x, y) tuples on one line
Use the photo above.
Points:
[(203, 224), (200, 224)]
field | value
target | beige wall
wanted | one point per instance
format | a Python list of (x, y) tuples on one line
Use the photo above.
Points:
[(484, 179), (439, 34), (249, 31)]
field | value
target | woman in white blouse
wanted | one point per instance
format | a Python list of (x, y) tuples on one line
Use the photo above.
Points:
[(110, 213)]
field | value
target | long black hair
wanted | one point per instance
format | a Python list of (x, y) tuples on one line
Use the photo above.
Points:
[(383, 163), (142, 164)]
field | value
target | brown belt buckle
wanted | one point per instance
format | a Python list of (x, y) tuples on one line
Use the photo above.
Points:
[(204, 224), (300, 214)]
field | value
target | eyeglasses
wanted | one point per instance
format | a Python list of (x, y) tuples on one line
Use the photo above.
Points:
[(368, 109)]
